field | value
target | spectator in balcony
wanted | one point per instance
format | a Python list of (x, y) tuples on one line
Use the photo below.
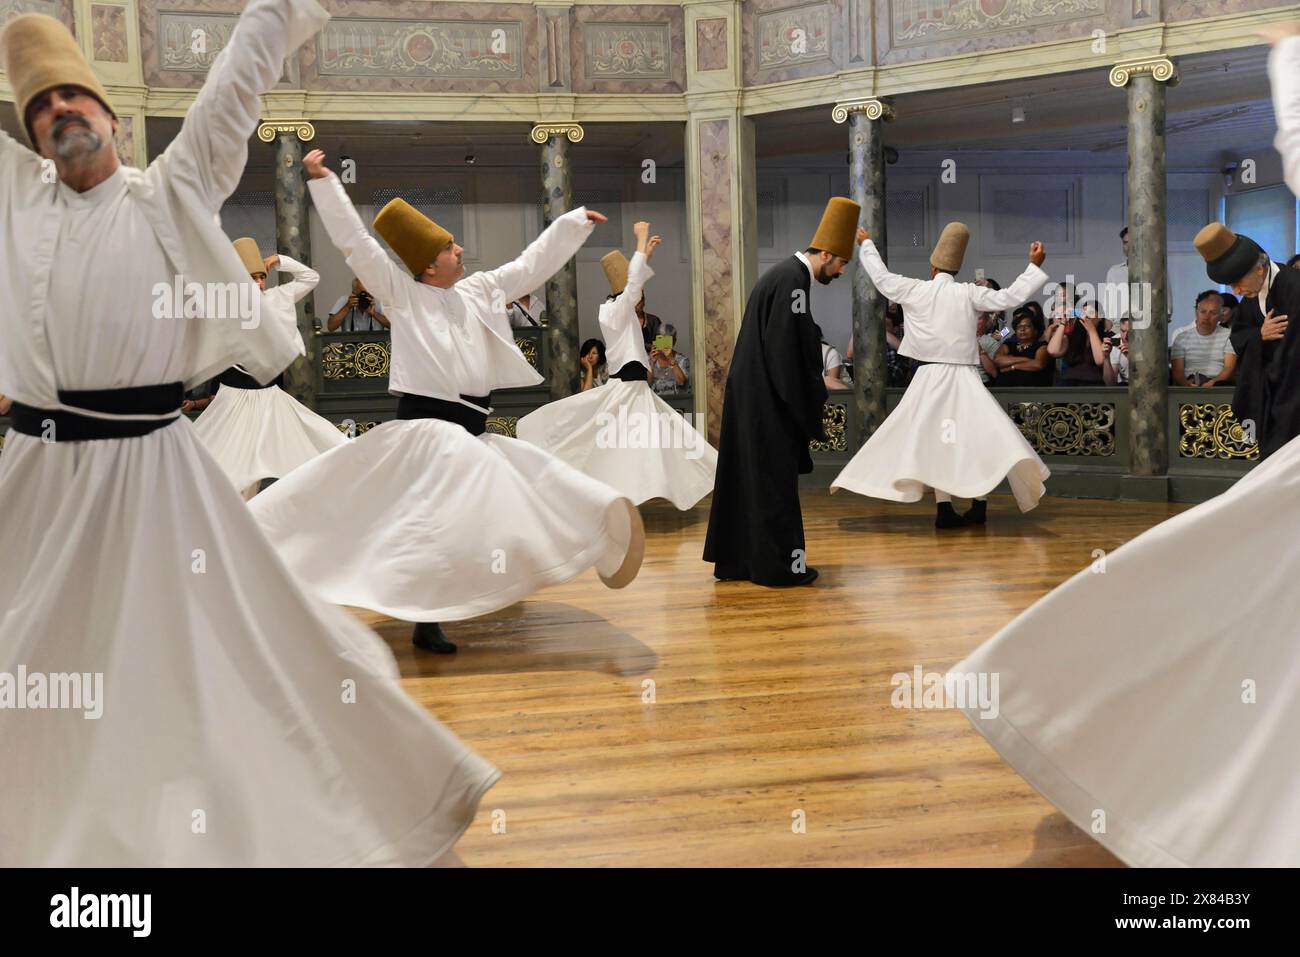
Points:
[(1115, 291), (1229, 312), (1022, 360), (1116, 371), (522, 313), (1202, 353), (898, 369), (1294, 261), (832, 365), (1076, 338), (357, 312), (591, 357), (670, 370)]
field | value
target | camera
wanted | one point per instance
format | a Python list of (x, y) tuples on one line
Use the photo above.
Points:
[(364, 299)]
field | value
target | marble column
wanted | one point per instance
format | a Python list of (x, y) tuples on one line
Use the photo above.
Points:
[(722, 207), (562, 288), (866, 119), (1148, 277), (293, 238)]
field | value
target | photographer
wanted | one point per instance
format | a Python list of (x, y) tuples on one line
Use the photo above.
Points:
[(358, 312)]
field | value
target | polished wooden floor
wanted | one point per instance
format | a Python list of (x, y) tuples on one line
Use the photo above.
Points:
[(765, 702)]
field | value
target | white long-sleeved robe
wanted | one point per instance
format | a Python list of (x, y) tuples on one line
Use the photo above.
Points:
[(1177, 719), (133, 560), (431, 523), (257, 434), (621, 432), (947, 432)]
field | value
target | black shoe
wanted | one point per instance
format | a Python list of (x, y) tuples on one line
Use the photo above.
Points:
[(947, 517), (428, 635), (808, 577), (977, 513)]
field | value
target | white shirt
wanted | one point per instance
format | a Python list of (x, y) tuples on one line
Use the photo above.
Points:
[(830, 359), (523, 317), (941, 312), (449, 342), (1114, 298), (619, 323), (356, 320), (1201, 355), (81, 272)]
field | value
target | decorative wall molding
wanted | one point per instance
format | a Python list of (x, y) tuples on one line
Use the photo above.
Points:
[(268, 130), (457, 49), (871, 107), (919, 22), (1159, 67), (541, 132)]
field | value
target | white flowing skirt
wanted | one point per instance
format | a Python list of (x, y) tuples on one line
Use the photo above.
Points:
[(422, 521), (243, 723), (257, 434), (1158, 694), (624, 435), (947, 433)]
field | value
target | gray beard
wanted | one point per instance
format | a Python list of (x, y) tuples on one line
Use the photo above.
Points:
[(77, 142)]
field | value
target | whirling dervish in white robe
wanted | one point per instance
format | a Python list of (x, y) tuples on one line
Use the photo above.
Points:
[(184, 702), (622, 433), (434, 518), (947, 433), (1154, 698), (255, 431)]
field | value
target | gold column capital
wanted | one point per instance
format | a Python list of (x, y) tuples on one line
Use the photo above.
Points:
[(267, 130), (873, 108), (542, 132), (1161, 68)]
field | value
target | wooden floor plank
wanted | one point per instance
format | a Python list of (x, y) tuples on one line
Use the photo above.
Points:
[(766, 702)]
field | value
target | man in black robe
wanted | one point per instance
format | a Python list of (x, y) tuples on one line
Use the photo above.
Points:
[(771, 411), (1267, 347)]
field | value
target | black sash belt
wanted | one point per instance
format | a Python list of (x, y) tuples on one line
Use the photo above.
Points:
[(56, 425), (424, 407), (632, 372), (238, 379)]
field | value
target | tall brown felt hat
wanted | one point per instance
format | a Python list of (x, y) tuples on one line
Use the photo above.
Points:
[(950, 250), (416, 238), (838, 227), (615, 265), (39, 54), (250, 255), (1227, 256)]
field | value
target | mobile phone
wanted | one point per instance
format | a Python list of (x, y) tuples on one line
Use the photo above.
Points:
[(663, 343), (1004, 332)]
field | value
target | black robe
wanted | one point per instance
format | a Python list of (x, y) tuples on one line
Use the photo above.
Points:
[(1268, 373), (772, 408)]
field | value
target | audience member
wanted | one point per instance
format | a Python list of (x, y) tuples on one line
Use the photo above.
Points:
[(1202, 353), (357, 312), (670, 369), (1022, 359)]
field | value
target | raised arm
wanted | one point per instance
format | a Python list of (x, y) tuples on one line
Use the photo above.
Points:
[(1020, 291), (382, 276), (303, 279), (212, 147), (1284, 77), (544, 256), (893, 287)]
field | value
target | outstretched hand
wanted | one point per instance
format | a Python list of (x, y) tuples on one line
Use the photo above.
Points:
[(651, 246), (1275, 33), (314, 164), (862, 236), (595, 217), (1037, 253)]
